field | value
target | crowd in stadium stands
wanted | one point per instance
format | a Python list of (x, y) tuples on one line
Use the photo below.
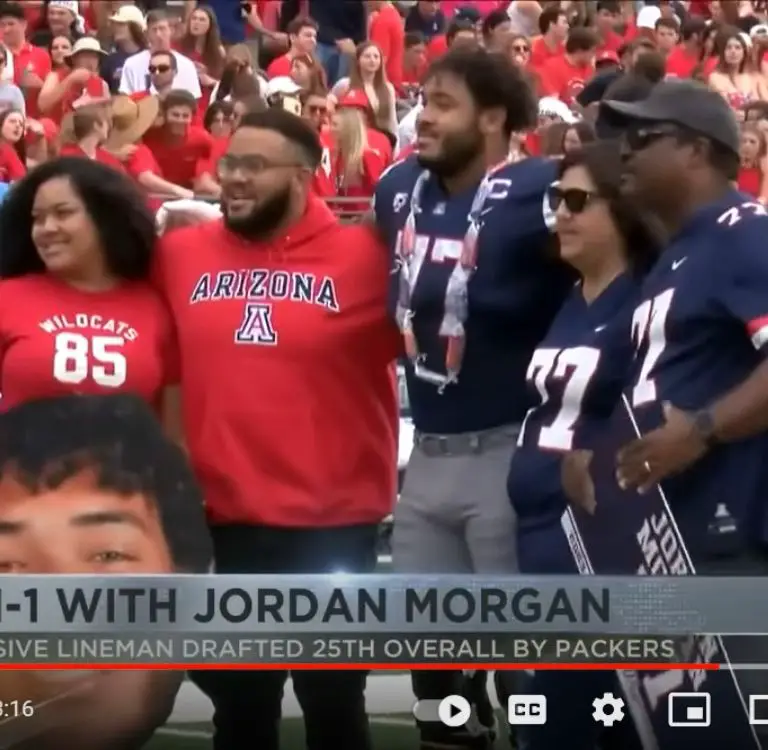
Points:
[(157, 92)]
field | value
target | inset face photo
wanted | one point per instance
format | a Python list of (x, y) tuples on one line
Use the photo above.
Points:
[(91, 485)]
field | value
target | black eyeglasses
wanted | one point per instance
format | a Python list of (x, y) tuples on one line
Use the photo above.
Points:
[(520, 48), (252, 164), (575, 200), (159, 68), (641, 138)]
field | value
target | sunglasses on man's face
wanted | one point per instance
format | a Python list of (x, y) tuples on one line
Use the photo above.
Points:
[(159, 69), (575, 200), (521, 49), (639, 139)]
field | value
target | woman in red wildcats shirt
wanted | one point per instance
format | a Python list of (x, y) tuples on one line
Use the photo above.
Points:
[(77, 314)]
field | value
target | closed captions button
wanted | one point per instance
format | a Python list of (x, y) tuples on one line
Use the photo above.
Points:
[(528, 710)]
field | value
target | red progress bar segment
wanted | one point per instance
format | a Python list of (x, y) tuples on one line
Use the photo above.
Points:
[(599, 666)]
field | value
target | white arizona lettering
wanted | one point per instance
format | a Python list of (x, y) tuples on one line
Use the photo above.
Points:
[(57, 323), (264, 284)]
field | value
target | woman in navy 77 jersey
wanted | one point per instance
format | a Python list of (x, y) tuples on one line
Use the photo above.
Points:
[(576, 375)]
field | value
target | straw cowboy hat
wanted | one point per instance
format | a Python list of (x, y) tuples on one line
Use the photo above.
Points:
[(131, 119), (86, 44), (67, 132)]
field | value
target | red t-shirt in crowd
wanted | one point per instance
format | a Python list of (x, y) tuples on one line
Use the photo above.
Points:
[(750, 181), (379, 142), (612, 42), (95, 87), (179, 160), (35, 60), (483, 7), (306, 434), (210, 166), (436, 47), (680, 63), (102, 155), (11, 166), (141, 161), (540, 52), (373, 164), (280, 66), (414, 76), (700, 8), (323, 185), (388, 32), (55, 339), (564, 80)]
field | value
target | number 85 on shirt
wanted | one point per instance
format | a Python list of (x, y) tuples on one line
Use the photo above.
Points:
[(78, 357)]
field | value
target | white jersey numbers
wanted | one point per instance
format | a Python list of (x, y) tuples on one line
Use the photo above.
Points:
[(572, 369), (438, 249), (734, 214), (77, 357), (649, 327)]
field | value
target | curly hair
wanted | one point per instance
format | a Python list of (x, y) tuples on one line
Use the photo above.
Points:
[(493, 81), (116, 205), (46, 442)]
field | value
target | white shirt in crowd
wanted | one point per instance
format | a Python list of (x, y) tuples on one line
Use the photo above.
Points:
[(406, 129), (7, 74), (136, 69)]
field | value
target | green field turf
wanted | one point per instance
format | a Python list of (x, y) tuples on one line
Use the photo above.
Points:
[(389, 701), (390, 733)]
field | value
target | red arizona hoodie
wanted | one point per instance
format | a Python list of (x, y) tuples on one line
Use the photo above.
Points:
[(286, 347)]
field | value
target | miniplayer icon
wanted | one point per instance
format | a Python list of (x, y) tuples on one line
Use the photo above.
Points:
[(454, 711)]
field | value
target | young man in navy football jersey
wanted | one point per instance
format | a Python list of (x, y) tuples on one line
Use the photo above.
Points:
[(700, 393), (474, 291)]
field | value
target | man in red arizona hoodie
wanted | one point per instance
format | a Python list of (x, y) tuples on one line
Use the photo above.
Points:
[(289, 405)]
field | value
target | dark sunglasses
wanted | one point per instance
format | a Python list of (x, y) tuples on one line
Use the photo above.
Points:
[(159, 68), (520, 48), (641, 138), (575, 200)]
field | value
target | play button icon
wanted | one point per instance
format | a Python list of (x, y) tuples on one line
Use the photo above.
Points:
[(454, 711)]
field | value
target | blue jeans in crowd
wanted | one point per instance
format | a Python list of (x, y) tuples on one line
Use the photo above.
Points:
[(335, 63)]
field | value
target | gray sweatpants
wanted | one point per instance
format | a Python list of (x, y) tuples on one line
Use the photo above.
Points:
[(454, 515)]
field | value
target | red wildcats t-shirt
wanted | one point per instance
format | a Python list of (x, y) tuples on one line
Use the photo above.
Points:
[(561, 79), (55, 340), (286, 349)]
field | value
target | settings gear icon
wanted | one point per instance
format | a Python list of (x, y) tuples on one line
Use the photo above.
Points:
[(608, 710)]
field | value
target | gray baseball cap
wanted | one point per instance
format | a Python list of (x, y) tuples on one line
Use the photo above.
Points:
[(689, 104)]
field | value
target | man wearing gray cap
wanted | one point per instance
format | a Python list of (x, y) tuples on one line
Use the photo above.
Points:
[(700, 391)]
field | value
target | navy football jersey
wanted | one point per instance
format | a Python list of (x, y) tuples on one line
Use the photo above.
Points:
[(512, 295), (575, 376), (701, 329)]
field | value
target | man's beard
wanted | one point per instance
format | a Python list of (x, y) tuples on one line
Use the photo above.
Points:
[(263, 220), (459, 149)]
